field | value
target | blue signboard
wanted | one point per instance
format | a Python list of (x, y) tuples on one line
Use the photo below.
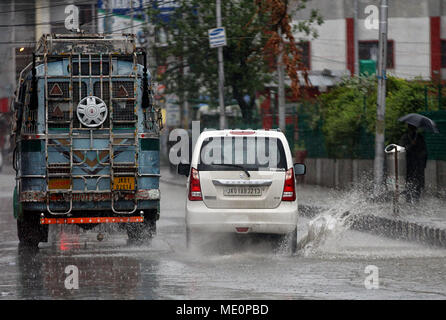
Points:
[(217, 37), (123, 7)]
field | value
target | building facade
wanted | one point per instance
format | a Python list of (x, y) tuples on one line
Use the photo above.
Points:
[(22, 22), (416, 36)]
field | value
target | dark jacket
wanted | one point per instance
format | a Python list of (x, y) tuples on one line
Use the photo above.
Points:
[(416, 154)]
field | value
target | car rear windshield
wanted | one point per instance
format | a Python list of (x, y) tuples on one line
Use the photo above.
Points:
[(252, 153)]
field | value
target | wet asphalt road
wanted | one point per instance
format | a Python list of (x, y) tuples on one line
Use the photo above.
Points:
[(165, 269)]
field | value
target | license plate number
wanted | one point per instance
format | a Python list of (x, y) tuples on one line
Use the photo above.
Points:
[(243, 191), (124, 183)]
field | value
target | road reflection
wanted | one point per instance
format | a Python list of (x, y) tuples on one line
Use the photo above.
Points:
[(100, 274)]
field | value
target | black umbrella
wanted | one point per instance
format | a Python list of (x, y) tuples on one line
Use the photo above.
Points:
[(420, 121)]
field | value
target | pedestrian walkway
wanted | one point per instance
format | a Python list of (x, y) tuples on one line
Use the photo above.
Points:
[(429, 215)]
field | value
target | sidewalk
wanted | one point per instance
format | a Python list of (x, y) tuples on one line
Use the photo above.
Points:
[(425, 222)]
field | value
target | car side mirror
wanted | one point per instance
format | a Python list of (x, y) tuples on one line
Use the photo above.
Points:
[(299, 169), (183, 169)]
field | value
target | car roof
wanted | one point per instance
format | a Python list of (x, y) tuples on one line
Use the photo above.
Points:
[(239, 133)]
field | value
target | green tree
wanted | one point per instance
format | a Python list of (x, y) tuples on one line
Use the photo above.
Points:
[(192, 64), (350, 108)]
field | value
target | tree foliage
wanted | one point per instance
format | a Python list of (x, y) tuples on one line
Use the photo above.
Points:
[(251, 31), (351, 107), (281, 39)]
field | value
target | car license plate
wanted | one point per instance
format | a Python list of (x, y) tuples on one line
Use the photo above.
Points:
[(242, 191), (124, 183)]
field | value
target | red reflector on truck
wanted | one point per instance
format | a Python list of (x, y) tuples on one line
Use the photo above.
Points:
[(56, 90), (242, 229), (91, 220)]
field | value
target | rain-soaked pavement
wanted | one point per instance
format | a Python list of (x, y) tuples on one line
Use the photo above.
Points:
[(165, 269)]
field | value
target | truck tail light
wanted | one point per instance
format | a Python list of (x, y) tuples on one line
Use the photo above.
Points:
[(194, 186), (289, 188)]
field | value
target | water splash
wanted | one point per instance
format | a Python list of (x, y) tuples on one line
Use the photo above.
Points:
[(331, 224)]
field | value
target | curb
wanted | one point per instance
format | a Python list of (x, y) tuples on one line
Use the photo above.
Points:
[(389, 227)]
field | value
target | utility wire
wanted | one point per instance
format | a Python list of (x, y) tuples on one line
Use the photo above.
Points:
[(60, 21), (44, 7)]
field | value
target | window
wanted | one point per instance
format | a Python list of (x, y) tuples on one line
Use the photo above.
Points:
[(253, 153), (85, 14), (443, 53), (305, 47), (368, 50)]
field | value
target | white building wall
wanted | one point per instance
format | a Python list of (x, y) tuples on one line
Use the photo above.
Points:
[(328, 51), (411, 38)]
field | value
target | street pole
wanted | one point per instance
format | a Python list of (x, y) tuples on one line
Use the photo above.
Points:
[(221, 74), (131, 17), (12, 40), (381, 103), (94, 27), (281, 87), (107, 17), (42, 14), (355, 36)]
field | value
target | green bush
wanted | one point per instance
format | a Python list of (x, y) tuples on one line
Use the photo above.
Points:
[(348, 113)]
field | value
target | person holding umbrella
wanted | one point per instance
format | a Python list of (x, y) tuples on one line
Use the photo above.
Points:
[(416, 153)]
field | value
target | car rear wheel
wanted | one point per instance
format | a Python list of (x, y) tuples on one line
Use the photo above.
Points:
[(292, 243), (288, 242)]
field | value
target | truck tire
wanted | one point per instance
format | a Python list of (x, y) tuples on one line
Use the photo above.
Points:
[(141, 232), (29, 230)]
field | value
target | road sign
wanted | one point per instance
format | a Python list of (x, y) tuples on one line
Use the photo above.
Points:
[(217, 37)]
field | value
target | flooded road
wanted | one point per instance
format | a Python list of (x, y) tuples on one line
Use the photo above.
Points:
[(165, 269)]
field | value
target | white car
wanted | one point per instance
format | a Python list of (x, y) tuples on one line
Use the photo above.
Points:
[(242, 181)]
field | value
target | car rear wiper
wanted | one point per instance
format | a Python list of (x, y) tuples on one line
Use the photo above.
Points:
[(232, 165)]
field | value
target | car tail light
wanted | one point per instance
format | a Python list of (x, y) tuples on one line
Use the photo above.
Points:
[(194, 186), (289, 189)]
